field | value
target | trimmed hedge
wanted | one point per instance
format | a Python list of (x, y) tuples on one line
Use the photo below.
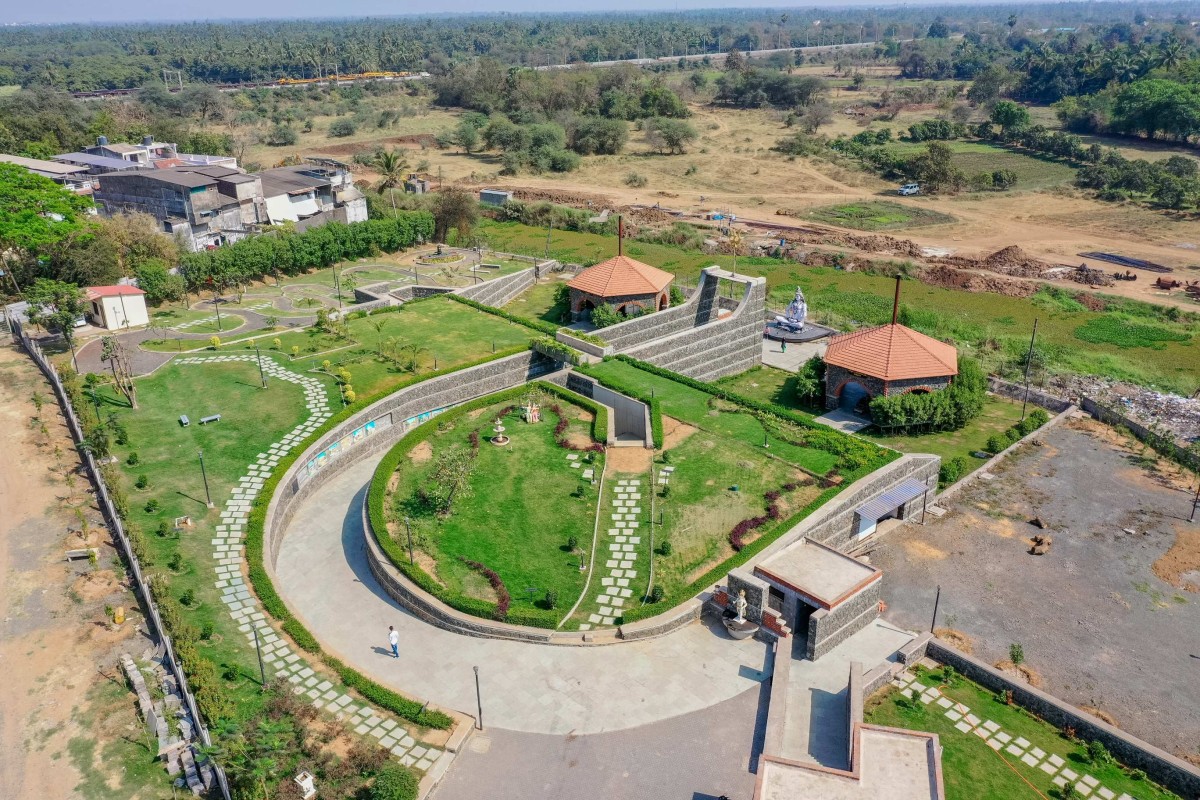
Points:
[(396, 553), (556, 350), (537, 325), (273, 604)]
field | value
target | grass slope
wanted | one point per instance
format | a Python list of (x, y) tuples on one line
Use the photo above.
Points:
[(520, 515), (973, 771), (882, 215)]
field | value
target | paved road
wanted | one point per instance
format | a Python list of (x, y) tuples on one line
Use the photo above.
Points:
[(323, 576), (696, 756)]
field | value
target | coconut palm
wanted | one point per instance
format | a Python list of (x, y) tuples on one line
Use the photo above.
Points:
[(391, 167)]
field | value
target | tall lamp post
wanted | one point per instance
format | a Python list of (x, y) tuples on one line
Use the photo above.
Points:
[(262, 375), (204, 475)]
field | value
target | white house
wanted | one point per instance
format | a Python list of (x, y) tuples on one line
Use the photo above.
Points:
[(117, 307)]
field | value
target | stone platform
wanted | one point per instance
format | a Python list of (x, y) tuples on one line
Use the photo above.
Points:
[(810, 333)]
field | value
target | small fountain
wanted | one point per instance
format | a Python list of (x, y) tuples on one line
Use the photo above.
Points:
[(498, 437)]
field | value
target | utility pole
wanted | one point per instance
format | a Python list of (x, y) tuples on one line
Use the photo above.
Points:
[(936, 600), (478, 698), (262, 671), (1028, 364)]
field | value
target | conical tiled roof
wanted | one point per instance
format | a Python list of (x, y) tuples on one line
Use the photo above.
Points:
[(621, 276), (892, 352)]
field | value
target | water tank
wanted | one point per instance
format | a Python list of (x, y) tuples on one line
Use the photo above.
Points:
[(147, 141), (101, 140)]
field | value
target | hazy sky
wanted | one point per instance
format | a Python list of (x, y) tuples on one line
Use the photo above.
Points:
[(90, 11)]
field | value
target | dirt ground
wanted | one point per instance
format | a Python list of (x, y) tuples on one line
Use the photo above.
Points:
[(1108, 619), (61, 701)]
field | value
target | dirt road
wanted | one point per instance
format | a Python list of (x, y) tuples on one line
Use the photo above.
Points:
[(55, 650)]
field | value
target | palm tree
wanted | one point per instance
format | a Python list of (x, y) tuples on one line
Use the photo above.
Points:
[(391, 167)]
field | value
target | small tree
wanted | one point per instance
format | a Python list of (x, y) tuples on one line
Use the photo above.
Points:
[(1010, 116), (394, 782), (214, 342), (457, 209), (55, 304), (449, 479), (1016, 654)]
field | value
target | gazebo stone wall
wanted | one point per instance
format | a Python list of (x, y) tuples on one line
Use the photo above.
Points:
[(837, 377), (652, 301)]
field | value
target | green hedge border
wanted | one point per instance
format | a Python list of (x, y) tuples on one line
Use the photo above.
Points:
[(881, 456), (377, 496), (273, 604)]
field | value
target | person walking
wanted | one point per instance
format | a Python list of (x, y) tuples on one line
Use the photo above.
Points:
[(394, 641), (783, 347)]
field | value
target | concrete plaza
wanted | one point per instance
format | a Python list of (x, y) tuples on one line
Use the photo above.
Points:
[(323, 575)]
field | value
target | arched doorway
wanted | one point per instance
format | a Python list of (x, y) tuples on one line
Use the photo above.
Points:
[(854, 397), (662, 302)]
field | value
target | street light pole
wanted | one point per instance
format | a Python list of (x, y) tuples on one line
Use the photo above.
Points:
[(204, 475), (936, 600), (262, 375), (478, 698), (1028, 364), (262, 671)]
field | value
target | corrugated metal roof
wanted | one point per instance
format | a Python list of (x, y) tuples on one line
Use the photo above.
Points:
[(892, 498), (40, 165), (96, 161)]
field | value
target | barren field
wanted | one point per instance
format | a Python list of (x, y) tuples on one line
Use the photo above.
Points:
[(1108, 617)]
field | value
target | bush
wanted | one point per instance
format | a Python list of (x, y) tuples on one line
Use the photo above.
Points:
[(946, 410), (1039, 416), (1013, 435), (656, 594), (636, 181), (664, 549), (342, 127), (175, 561), (281, 136), (394, 782), (142, 482), (207, 630), (152, 505), (163, 529), (1097, 753), (132, 461), (1016, 654), (952, 470), (996, 443), (572, 544), (188, 597), (550, 600)]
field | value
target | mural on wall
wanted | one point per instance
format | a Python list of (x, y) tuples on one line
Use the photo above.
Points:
[(358, 435)]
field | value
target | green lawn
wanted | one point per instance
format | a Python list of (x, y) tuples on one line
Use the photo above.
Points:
[(521, 512), (704, 411), (770, 385), (538, 303), (994, 327), (445, 332), (1034, 171), (252, 418), (880, 215), (716, 483), (972, 770), (999, 414), (202, 321)]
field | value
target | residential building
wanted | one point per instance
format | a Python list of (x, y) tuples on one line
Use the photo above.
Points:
[(117, 307), (206, 206), (71, 176), (149, 153), (210, 206), (96, 165)]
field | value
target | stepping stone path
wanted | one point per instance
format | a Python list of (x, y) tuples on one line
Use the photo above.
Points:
[(618, 551), (194, 323), (1020, 748), (280, 659)]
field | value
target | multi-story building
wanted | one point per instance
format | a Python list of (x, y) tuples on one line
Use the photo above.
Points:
[(212, 205)]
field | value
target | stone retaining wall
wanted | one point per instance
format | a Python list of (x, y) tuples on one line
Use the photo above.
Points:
[(827, 628), (389, 414), (1015, 391), (711, 348), (1162, 767), (499, 291)]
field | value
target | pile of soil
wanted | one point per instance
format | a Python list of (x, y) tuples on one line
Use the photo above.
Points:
[(563, 198), (948, 277), (647, 216), (1011, 260), (884, 245)]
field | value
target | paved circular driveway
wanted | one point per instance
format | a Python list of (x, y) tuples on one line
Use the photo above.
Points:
[(322, 573)]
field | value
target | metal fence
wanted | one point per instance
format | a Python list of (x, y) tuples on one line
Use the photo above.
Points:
[(104, 501)]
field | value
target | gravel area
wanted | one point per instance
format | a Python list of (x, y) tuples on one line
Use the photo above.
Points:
[(1096, 616)]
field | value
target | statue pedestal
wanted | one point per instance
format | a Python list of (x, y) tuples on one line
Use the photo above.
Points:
[(739, 629)]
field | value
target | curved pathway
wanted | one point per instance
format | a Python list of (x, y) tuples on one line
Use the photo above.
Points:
[(323, 575)]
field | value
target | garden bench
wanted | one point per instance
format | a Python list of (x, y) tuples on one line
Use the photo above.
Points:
[(211, 418), (184, 421)]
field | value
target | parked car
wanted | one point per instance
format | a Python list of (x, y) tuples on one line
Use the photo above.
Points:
[(909, 189)]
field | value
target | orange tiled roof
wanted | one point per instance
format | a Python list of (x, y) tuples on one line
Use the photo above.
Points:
[(892, 352), (620, 276), (111, 291)]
